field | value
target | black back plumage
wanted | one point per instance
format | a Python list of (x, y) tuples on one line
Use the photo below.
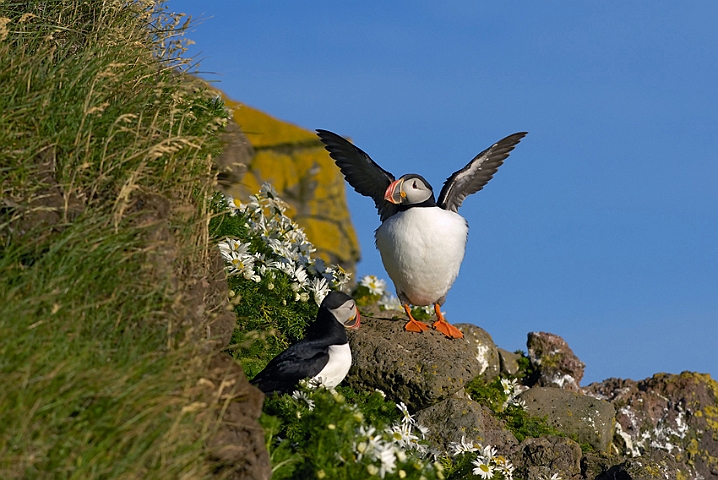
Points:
[(308, 356)]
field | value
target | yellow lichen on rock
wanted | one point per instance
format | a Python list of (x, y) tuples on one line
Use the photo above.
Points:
[(263, 130), (295, 162)]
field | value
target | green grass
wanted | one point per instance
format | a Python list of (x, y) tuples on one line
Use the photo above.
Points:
[(97, 357)]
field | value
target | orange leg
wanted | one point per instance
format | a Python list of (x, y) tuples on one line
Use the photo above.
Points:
[(445, 327), (413, 325)]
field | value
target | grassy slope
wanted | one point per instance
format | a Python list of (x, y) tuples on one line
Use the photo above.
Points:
[(94, 361)]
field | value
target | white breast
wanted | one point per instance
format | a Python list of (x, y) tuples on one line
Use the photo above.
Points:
[(422, 249), (340, 359)]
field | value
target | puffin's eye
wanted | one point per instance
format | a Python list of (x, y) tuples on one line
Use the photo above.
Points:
[(414, 184)]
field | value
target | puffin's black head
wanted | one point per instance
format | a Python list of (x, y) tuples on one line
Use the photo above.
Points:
[(411, 190), (342, 307), (337, 312)]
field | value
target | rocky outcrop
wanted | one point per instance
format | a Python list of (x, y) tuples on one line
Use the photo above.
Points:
[(486, 352), (675, 414), (237, 446), (541, 458), (508, 362), (656, 465), (554, 362), (260, 148), (662, 427), (419, 370), (586, 419), (458, 417)]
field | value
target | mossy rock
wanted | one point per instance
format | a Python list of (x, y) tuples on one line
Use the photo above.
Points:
[(586, 419)]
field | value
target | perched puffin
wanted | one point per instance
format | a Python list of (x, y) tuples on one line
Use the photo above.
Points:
[(421, 241), (323, 355)]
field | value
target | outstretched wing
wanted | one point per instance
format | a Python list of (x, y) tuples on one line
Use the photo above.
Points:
[(361, 172), (477, 173)]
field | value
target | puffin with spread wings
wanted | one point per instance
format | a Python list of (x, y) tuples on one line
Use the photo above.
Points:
[(421, 240)]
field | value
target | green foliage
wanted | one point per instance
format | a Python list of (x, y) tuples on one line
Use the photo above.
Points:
[(269, 320), (523, 425), (377, 411), (270, 316), (527, 374), (497, 398), (324, 434), (489, 394), (98, 120), (421, 313), (364, 297)]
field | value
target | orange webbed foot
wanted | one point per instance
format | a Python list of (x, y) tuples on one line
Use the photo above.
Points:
[(445, 327), (414, 325)]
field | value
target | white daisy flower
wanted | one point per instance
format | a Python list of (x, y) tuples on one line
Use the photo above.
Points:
[(282, 249), (376, 286), (457, 448), (297, 395), (301, 275), (371, 444), (402, 435), (482, 469), (488, 453), (320, 289), (363, 431), (267, 191), (387, 457), (234, 204), (390, 302), (508, 385), (281, 265), (507, 470), (243, 265), (337, 275), (233, 248), (407, 419)]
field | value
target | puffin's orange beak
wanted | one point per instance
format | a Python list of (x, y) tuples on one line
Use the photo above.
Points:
[(394, 193), (353, 322)]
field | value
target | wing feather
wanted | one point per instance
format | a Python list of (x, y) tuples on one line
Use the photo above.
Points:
[(362, 173), (284, 371), (477, 173)]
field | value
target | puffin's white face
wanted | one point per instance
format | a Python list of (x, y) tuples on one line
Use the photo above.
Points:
[(408, 190), (347, 314)]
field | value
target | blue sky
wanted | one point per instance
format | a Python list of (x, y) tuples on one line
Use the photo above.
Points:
[(602, 226)]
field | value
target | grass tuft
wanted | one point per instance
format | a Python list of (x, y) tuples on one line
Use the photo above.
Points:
[(105, 174)]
